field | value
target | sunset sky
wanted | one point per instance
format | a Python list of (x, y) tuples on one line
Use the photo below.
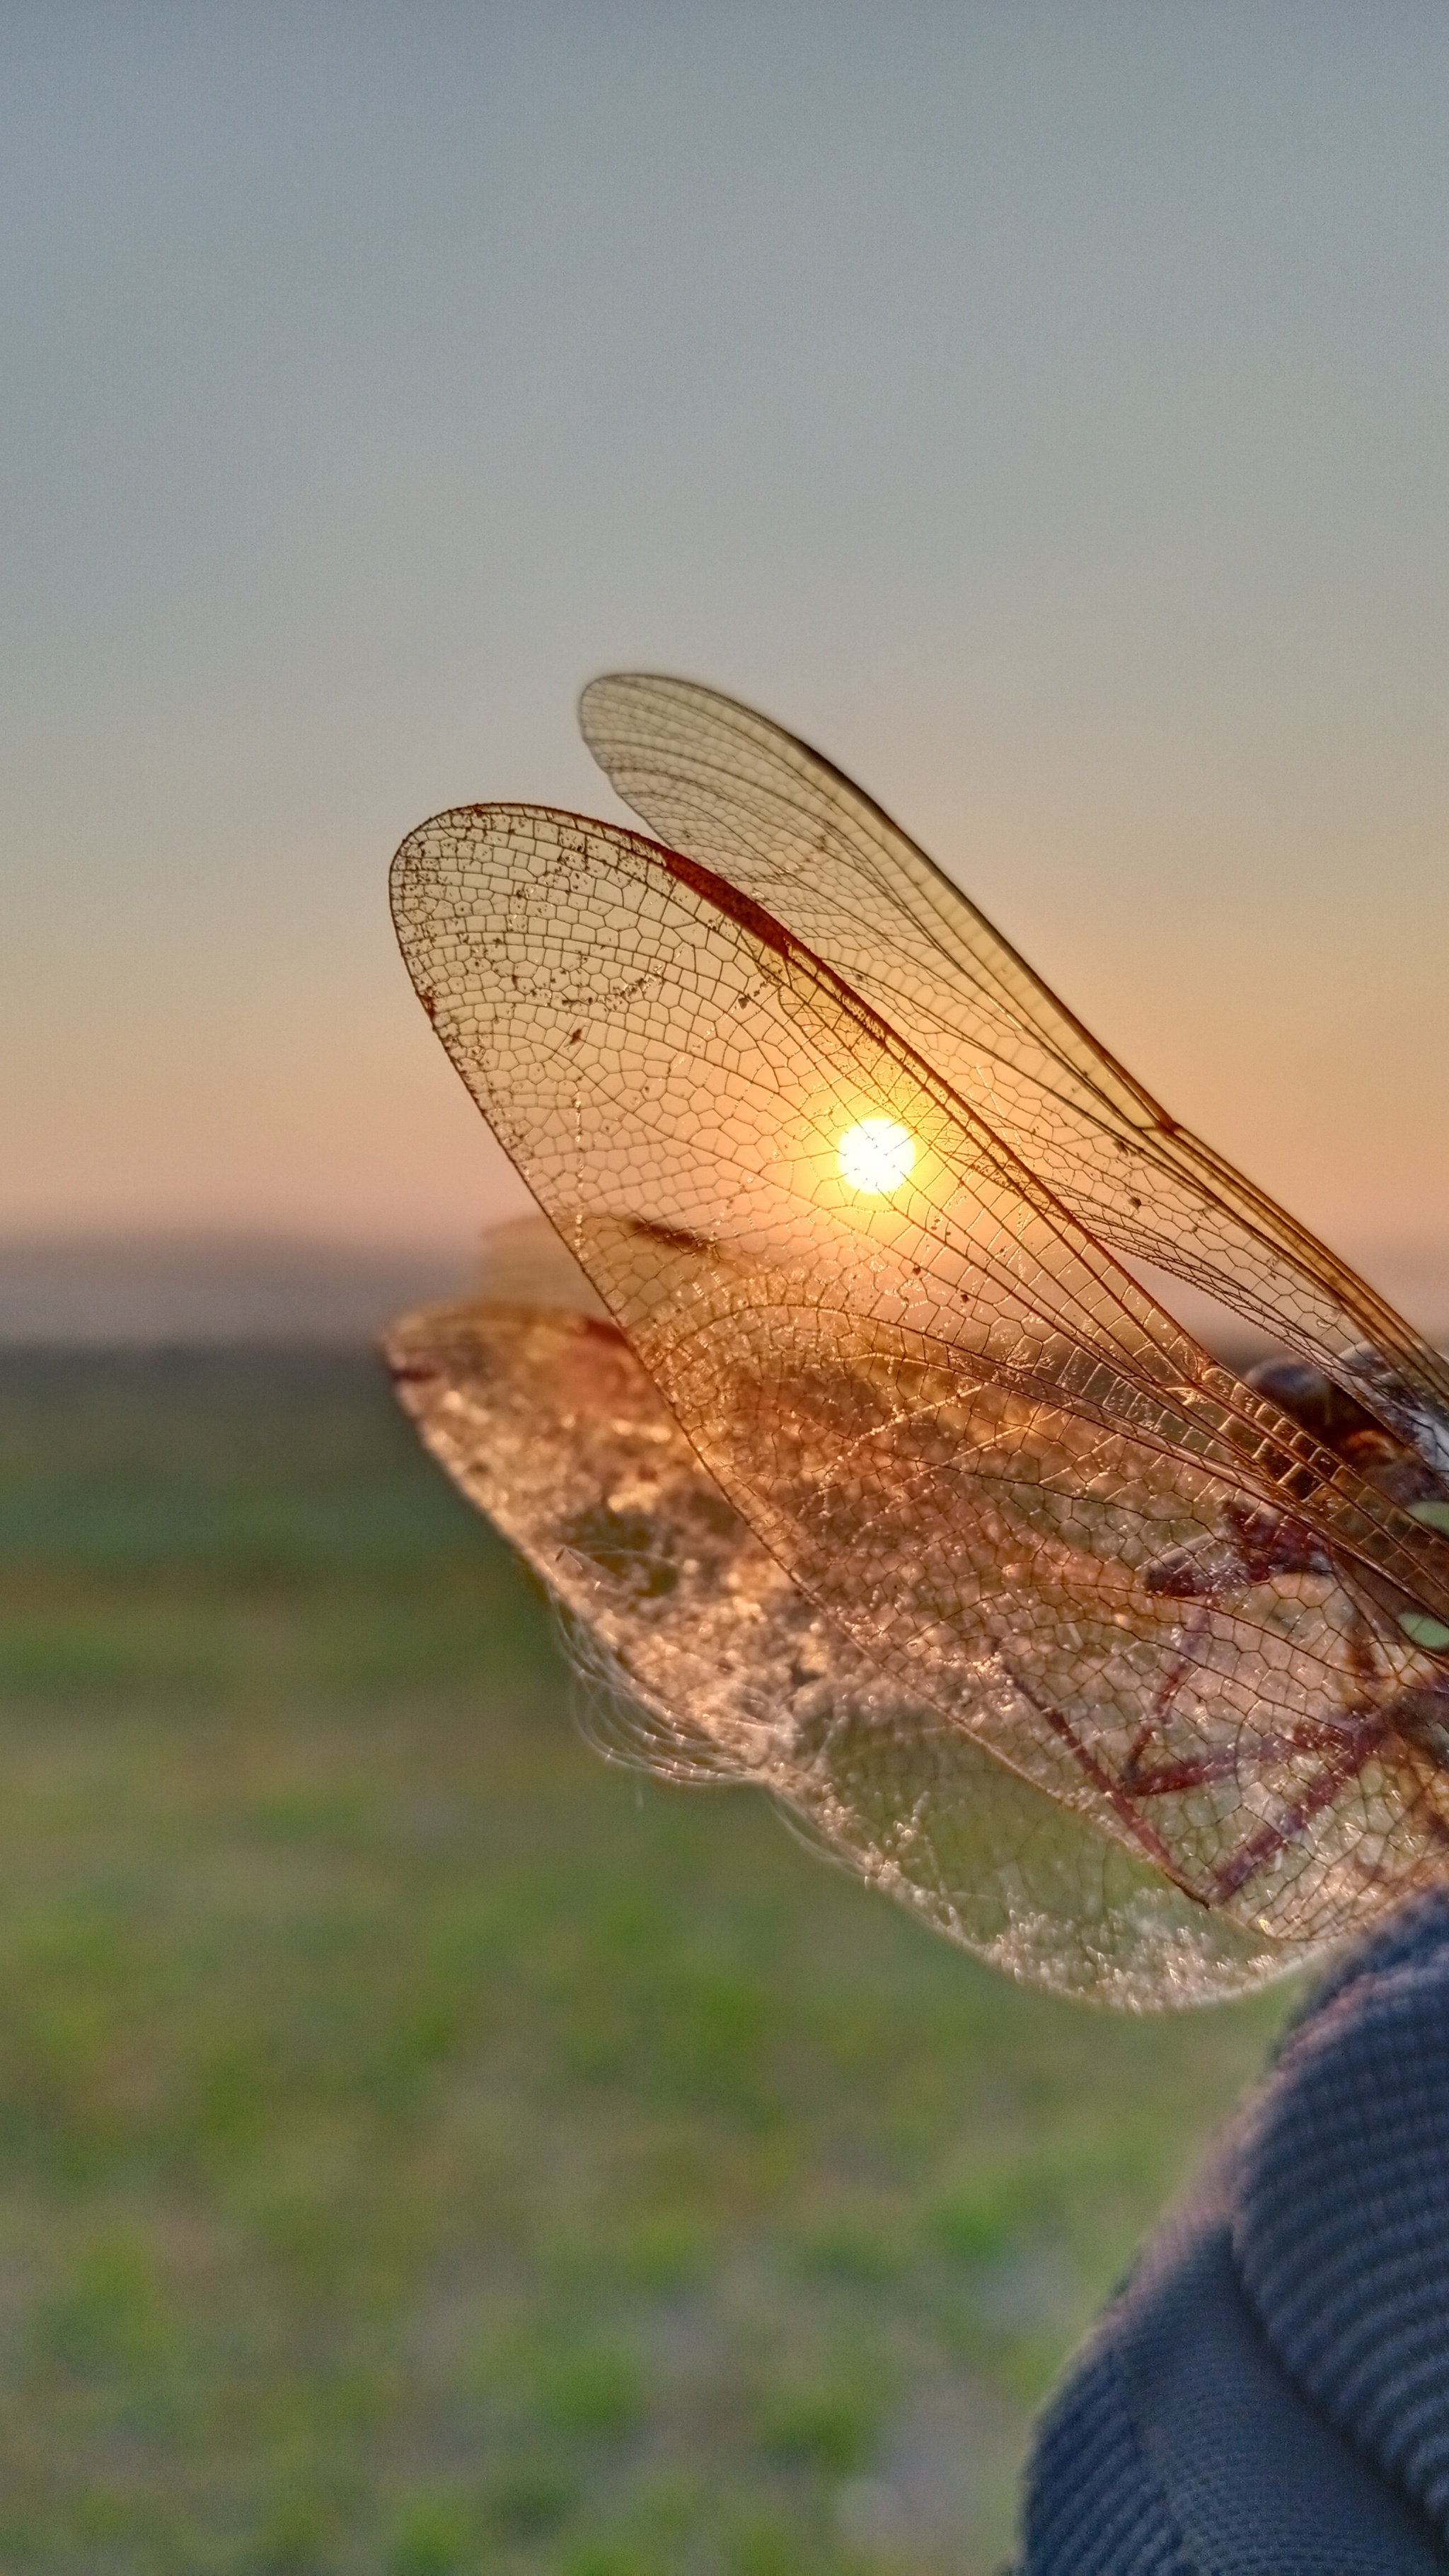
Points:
[(1040, 408)]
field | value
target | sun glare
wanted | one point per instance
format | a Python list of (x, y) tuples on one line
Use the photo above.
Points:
[(876, 1155)]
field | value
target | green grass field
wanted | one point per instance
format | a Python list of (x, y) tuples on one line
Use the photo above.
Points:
[(423, 2148)]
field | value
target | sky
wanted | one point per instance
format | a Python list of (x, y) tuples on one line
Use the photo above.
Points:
[(1042, 409)]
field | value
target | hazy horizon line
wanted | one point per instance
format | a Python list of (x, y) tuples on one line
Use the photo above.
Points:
[(134, 1287)]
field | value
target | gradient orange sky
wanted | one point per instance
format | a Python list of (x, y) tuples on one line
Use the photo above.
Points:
[(1042, 409)]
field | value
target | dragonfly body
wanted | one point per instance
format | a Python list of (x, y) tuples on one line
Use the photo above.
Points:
[(867, 1206)]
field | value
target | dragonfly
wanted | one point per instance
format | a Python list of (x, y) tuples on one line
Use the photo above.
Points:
[(832, 1398)]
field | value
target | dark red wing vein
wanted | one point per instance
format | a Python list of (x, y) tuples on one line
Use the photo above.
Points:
[(733, 790), (721, 764)]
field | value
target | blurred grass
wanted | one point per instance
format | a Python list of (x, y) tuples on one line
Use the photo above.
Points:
[(423, 2149)]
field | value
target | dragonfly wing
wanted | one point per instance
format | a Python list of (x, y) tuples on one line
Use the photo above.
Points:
[(716, 1668), (955, 1422), (526, 1262), (733, 790)]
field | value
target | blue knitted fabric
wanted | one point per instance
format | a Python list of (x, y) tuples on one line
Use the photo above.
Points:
[(1269, 2395)]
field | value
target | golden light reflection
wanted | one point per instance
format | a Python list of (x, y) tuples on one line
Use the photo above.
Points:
[(875, 1155)]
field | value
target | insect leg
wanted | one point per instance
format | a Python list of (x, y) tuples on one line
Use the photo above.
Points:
[(1174, 1674), (1233, 1874), (1101, 1780)]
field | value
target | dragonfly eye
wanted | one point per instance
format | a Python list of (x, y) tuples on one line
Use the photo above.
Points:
[(1423, 1631), (875, 1155), (1417, 1625)]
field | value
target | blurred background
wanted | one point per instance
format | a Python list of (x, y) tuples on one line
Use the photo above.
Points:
[(422, 2149)]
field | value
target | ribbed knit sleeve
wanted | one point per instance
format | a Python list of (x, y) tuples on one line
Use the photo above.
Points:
[(1269, 2395)]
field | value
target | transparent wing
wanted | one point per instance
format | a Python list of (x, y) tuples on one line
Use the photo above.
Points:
[(762, 809), (717, 1668), (947, 1413)]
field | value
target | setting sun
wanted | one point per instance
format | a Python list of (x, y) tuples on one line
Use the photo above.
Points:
[(876, 1155)]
